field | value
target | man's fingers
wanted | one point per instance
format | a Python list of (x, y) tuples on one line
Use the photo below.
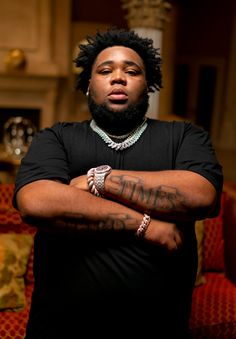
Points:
[(178, 239)]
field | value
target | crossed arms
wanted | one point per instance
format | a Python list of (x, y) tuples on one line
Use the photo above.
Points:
[(168, 196)]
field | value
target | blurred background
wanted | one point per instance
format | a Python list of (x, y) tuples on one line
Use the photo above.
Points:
[(40, 38)]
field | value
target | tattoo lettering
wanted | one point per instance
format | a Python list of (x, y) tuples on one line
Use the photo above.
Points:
[(167, 198), (114, 222), (118, 222), (77, 222), (158, 198)]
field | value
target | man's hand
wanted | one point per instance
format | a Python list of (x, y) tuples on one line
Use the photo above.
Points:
[(165, 234), (80, 182)]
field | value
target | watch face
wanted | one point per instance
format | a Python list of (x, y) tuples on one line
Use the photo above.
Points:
[(102, 169)]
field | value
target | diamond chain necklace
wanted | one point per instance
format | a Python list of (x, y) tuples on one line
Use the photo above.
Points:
[(120, 146)]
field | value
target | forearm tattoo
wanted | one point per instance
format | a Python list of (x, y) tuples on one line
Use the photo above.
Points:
[(113, 222), (118, 222), (160, 198)]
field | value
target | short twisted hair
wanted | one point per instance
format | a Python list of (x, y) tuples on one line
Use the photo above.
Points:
[(119, 37)]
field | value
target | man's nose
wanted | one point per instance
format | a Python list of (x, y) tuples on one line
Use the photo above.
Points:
[(118, 77)]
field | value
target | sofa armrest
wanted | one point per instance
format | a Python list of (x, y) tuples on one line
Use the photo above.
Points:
[(230, 231)]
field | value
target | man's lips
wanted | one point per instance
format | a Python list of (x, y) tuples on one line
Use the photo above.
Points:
[(117, 95)]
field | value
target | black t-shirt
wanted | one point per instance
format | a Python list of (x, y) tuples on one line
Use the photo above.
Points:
[(92, 280)]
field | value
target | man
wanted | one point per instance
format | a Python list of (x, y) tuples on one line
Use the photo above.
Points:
[(115, 200)]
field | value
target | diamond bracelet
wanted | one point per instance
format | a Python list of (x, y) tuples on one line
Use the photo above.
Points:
[(143, 226)]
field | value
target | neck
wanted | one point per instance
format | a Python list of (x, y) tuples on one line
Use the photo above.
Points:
[(122, 136)]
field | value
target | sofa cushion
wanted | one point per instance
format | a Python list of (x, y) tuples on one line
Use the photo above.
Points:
[(213, 308), (11, 222), (214, 242), (15, 250), (13, 324)]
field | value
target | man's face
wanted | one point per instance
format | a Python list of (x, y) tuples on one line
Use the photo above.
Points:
[(118, 78)]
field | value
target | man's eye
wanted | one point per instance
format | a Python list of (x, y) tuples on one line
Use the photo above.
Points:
[(132, 72), (105, 71)]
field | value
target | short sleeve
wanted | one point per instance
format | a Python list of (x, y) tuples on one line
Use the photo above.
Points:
[(197, 154), (45, 159)]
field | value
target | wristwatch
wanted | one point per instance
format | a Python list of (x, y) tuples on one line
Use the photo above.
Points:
[(100, 174)]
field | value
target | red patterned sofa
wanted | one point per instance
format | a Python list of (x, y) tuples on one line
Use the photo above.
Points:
[(214, 298), (16, 268)]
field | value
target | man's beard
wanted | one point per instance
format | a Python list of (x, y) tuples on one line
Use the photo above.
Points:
[(119, 122)]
